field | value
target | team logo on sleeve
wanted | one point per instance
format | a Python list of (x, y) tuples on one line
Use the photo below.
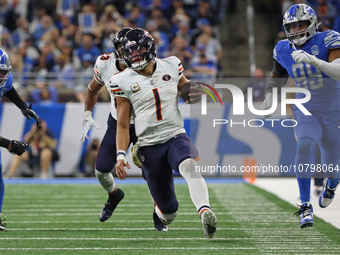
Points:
[(315, 50), (135, 87), (166, 77), (274, 53)]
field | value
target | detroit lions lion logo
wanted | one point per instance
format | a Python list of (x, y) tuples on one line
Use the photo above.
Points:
[(315, 50)]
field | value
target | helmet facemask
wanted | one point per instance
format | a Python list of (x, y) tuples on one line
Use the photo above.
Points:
[(300, 23), (298, 36), (117, 43), (118, 53), (138, 48), (134, 52)]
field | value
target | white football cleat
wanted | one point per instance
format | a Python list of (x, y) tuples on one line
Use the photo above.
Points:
[(327, 196), (209, 222)]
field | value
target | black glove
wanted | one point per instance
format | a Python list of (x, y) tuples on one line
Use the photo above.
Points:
[(17, 147), (28, 113)]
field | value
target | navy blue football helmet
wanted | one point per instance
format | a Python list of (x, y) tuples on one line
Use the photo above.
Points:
[(138, 43), (117, 40), (5, 67)]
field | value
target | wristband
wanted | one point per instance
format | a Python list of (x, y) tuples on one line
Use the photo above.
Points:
[(87, 114), (4, 142), (121, 155)]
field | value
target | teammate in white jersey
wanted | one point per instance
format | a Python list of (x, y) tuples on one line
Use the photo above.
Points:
[(105, 67), (149, 89)]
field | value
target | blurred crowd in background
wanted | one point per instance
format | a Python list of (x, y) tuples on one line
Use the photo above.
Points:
[(54, 44)]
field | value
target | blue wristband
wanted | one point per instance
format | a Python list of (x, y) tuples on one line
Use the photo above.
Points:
[(121, 152)]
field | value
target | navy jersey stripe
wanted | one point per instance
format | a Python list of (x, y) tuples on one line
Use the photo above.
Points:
[(158, 104)]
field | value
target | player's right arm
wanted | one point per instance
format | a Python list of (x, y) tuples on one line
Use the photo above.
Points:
[(91, 99), (122, 135), (278, 78)]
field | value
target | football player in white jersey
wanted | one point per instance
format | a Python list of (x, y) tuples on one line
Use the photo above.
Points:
[(149, 89), (105, 67)]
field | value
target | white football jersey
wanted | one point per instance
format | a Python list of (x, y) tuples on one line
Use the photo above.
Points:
[(154, 100), (105, 67)]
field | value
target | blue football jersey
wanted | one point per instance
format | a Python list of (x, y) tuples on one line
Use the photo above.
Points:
[(8, 85), (325, 91)]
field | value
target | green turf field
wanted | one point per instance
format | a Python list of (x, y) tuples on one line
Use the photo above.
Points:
[(64, 219)]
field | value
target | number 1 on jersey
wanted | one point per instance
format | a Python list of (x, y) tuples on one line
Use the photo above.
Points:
[(158, 104)]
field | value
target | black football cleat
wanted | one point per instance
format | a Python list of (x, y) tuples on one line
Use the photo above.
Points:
[(159, 225), (111, 205)]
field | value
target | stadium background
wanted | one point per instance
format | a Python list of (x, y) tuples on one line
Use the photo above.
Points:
[(54, 44)]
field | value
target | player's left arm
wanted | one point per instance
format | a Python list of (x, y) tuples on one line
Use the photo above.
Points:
[(330, 68), (14, 147), (122, 136)]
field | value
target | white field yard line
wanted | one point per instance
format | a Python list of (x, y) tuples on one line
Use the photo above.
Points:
[(118, 213), (132, 221), (282, 234), (132, 248), (38, 197), (81, 195), (125, 229), (131, 238), (119, 239), (92, 205), (89, 208)]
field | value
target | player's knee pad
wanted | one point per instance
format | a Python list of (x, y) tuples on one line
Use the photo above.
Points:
[(166, 218), (305, 146), (105, 179), (187, 168)]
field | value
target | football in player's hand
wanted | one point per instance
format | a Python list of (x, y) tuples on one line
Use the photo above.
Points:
[(187, 88)]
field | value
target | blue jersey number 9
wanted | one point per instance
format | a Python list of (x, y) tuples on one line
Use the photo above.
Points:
[(305, 77)]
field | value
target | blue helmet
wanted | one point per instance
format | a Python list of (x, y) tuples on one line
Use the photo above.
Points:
[(5, 67), (295, 15), (140, 40)]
